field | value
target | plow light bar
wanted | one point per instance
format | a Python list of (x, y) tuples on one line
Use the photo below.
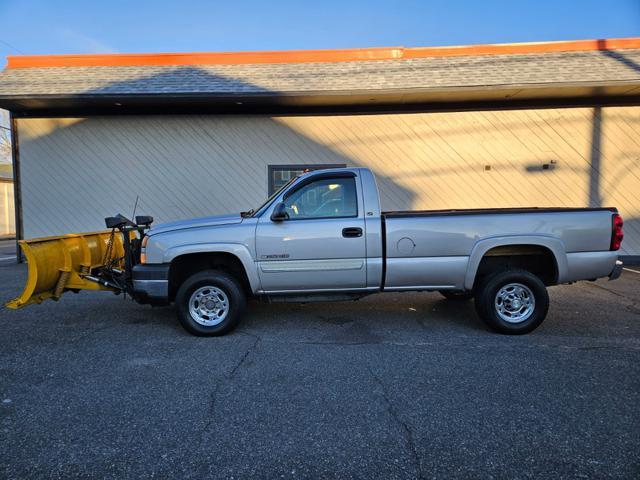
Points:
[(120, 221), (145, 220)]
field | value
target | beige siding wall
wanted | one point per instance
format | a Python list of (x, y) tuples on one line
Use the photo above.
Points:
[(7, 213), (77, 171)]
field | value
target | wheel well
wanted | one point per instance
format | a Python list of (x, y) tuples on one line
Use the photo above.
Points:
[(536, 259), (184, 266)]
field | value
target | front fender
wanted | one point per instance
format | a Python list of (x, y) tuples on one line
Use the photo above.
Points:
[(483, 246), (238, 250)]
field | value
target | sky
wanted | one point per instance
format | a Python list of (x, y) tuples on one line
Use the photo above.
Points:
[(92, 26)]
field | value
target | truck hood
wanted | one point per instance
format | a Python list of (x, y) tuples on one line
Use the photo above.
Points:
[(195, 223)]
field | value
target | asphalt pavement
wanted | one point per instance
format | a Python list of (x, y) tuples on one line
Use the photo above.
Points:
[(7, 249), (393, 386)]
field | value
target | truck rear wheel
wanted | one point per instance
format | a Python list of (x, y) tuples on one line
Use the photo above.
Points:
[(210, 303), (512, 302)]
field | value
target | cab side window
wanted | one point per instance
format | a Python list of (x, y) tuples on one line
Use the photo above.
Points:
[(324, 198)]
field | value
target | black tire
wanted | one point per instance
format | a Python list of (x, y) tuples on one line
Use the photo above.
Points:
[(457, 295), (236, 302), (488, 310)]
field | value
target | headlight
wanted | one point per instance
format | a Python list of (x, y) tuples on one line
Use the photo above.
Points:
[(143, 249)]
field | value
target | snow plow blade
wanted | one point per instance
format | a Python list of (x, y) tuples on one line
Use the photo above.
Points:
[(60, 264)]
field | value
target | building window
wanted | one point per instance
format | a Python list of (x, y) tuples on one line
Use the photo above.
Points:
[(281, 174)]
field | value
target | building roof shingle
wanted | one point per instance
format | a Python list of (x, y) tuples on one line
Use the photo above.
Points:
[(619, 68)]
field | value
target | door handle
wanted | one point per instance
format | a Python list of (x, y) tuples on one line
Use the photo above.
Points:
[(352, 232)]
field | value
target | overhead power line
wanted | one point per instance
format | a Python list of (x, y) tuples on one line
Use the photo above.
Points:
[(12, 47)]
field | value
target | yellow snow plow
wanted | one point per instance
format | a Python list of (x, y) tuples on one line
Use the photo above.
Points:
[(82, 261)]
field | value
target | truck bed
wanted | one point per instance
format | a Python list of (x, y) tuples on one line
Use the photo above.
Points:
[(436, 248)]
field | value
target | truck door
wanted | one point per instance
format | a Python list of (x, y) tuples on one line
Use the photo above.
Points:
[(320, 245)]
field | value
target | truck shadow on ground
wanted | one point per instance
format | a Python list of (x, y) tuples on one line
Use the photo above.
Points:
[(369, 321), (357, 319), (378, 318)]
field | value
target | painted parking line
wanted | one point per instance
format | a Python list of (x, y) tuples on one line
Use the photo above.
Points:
[(631, 270), (5, 259)]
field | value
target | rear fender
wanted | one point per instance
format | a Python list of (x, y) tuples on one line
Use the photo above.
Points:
[(483, 246), (239, 251)]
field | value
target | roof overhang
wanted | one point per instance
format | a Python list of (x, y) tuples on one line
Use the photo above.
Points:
[(491, 76), (425, 98)]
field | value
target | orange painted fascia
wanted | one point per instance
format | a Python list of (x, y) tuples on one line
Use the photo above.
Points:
[(218, 58), (308, 56), (524, 48)]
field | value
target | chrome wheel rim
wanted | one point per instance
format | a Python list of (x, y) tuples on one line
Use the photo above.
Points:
[(208, 306), (515, 303)]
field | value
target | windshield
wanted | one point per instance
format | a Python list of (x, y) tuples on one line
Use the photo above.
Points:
[(258, 211)]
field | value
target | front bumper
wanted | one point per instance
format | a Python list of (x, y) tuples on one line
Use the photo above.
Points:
[(151, 283), (617, 270)]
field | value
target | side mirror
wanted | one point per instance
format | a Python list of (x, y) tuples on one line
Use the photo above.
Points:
[(279, 213)]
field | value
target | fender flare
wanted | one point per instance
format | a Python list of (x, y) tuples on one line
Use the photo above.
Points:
[(239, 251), (483, 246)]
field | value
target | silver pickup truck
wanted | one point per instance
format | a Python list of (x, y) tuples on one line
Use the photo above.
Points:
[(323, 236)]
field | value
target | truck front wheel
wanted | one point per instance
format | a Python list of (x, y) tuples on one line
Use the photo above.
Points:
[(512, 302), (210, 303)]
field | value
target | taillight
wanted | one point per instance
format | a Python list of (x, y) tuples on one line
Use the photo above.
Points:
[(616, 234)]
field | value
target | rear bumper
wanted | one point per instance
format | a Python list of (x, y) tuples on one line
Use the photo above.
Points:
[(151, 283), (617, 270), (590, 265)]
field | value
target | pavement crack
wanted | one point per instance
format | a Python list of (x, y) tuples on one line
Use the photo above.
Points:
[(210, 414), (632, 307), (407, 432), (250, 349), (609, 290), (213, 396)]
